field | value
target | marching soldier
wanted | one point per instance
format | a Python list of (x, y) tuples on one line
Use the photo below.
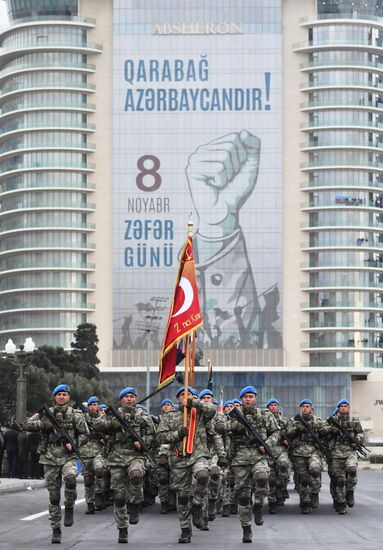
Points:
[(250, 464), (306, 455), (194, 464), (58, 456), (343, 453), (229, 502), (280, 472), (94, 464), (126, 460), (165, 491)]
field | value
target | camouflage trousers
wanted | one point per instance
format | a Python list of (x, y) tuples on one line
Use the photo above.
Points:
[(127, 483), (250, 477), (190, 483), (228, 494), (308, 471), (279, 478), (343, 477), (93, 471), (215, 481), (53, 477), (165, 489)]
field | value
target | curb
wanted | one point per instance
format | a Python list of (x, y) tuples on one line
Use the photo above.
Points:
[(21, 485)]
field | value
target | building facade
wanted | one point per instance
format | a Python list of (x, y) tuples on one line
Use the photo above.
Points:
[(119, 117)]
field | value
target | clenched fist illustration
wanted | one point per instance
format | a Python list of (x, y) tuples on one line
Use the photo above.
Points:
[(222, 175)]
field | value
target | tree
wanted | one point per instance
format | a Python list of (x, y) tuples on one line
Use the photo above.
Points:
[(85, 344)]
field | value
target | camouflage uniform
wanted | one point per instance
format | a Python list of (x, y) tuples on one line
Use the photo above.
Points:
[(217, 453), (279, 475), (343, 460), (307, 458), (250, 466), (57, 460), (126, 462), (94, 464), (185, 468)]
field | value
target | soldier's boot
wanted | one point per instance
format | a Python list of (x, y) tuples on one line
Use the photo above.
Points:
[(123, 535), (350, 499), (280, 502), (234, 508), (68, 517), (133, 514), (197, 516), (247, 534), (314, 500), (258, 514), (56, 535), (305, 508), (99, 503), (212, 509), (285, 493), (165, 507), (341, 508), (273, 507), (226, 510), (335, 505), (89, 508), (185, 536), (219, 506)]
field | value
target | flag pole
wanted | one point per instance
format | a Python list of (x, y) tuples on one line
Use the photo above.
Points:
[(192, 360), (187, 357)]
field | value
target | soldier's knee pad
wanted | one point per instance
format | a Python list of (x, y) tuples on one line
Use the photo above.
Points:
[(283, 467), (87, 480), (261, 480), (304, 481), (202, 478), (351, 471), (163, 479), (341, 482), (70, 482), (183, 498), (54, 497), (99, 473), (119, 499), (315, 472), (215, 473), (244, 498), (136, 477)]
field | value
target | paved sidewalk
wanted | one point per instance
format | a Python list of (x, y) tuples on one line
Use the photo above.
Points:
[(13, 485)]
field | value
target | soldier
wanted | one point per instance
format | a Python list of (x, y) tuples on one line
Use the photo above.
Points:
[(250, 464), (218, 460), (229, 502), (280, 472), (195, 465), (126, 460), (165, 491), (306, 456), (344, 460), (58, 457), (94, 464)]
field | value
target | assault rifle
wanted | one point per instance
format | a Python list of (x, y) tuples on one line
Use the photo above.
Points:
[(360, 448), (45, 411), (130, 432), (322, 447), (254, 437)]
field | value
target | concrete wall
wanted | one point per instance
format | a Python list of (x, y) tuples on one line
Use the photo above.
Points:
[(367, 401)]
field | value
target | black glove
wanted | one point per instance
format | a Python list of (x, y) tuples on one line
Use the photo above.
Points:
[(222, 461), (183, 431)]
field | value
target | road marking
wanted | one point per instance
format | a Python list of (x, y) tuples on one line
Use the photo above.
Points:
[(35, 516)]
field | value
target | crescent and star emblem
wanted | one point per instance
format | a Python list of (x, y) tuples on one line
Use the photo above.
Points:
[(189, 296)]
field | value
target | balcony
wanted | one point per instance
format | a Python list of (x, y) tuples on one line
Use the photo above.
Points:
[(47, 66)]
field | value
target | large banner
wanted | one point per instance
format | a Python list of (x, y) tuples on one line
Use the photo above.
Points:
[(197, 107)]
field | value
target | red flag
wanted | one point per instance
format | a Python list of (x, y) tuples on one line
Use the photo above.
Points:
[(184, 316)]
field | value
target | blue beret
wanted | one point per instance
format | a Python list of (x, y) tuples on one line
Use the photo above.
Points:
[(306, 402), (165, 401), (102, 406), (175, 406), (202, 393), (125, 391), (247, 389), (271, 401), (182, 388), (92, 400), (236, 401), (228, 402), (61, 387), (342, 402)]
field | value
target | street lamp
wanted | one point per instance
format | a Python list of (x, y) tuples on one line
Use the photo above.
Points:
[(23, 359)]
